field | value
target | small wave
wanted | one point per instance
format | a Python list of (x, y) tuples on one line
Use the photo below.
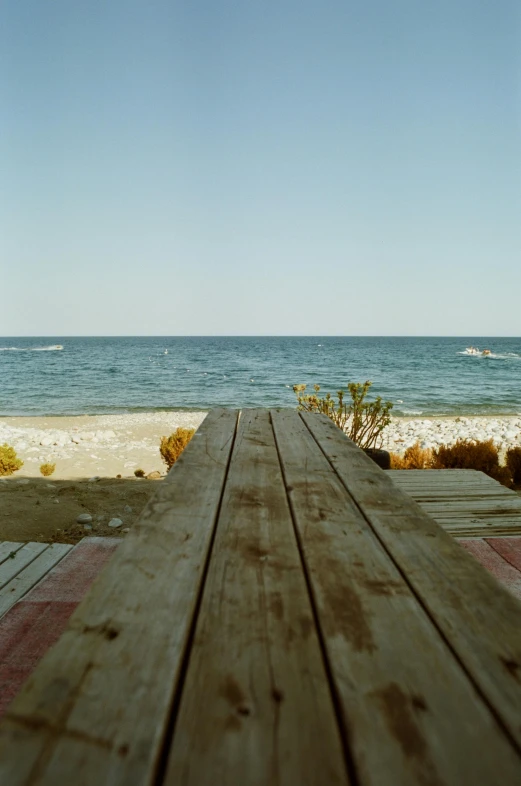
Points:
[(411, 411)]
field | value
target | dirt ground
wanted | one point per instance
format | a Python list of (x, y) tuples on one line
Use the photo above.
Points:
[(45, 510)]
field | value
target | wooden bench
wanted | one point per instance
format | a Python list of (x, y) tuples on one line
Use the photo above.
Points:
[(282, 614)]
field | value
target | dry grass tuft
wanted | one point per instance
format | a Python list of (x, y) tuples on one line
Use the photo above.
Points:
[(47, 469), (171, 447), (469, 454), (414, 457), (9, 461)]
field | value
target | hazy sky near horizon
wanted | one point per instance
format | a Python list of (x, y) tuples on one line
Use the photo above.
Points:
[(252, 168)]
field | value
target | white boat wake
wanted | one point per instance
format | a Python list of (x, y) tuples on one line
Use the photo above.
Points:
[(52, 348)]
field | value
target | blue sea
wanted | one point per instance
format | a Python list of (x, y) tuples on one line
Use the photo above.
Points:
[(422, 376)]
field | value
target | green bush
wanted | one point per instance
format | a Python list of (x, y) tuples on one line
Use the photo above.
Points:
[(47, 469), (363, 421), (171, 447), (513, 458), (9, 461), (472, 454)]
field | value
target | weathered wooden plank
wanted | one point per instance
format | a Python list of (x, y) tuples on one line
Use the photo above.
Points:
[(7, 548), (31, 575), (95, 710), (479, 618), (447, 473), (493, 532), (449, 476), (396, 680), (456, 490), (485, 506), (441, 499), (456, 524), (256, 705), (20, 559), (435, 478)]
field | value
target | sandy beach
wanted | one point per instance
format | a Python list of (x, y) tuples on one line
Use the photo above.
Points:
[(90, 452)]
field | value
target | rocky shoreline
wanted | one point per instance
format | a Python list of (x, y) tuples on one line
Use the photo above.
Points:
[(505, 431), (109, 445)]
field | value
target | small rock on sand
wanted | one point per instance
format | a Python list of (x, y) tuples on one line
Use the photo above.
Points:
[(84, 518), (127, 509), (155, 475), (115, 523)]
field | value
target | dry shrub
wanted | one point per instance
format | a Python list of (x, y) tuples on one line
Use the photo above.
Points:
[(513, 458), (469, 454), (415, 457), (397, 461), (171, 447), (9, 461), (47, 469), (139, 473)]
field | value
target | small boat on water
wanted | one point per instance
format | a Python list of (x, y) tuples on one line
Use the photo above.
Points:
[(476, 351)]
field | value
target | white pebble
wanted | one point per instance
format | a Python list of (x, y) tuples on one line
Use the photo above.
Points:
[(115, 523), (84, 518)]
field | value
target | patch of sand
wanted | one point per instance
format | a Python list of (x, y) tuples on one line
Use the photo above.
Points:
[(87, 445)]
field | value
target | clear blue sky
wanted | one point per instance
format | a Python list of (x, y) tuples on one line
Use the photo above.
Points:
[(260, 167)]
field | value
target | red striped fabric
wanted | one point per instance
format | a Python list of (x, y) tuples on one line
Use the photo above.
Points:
[(37, 621)]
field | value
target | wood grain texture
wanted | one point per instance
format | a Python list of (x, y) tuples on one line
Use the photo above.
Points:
[(7, 548), (479, 618), (11, 566), (464, 502), (94, 712), (402, 692), (31, 575), (256, 708)]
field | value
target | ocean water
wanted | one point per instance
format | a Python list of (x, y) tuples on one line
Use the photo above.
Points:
[(425, 376)]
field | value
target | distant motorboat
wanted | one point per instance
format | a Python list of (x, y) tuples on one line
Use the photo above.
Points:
[(472, 351), (486, 352), (165, 352)]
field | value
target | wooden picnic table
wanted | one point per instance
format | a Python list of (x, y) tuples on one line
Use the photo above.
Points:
[(282, 614)]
